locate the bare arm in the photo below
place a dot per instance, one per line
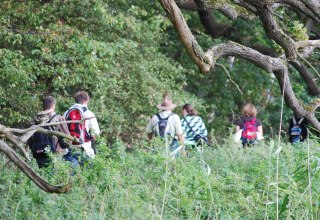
(181, 139)
(260, 130)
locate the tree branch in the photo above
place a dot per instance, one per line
(307, 77)
(301, 6)
(273, 31)
(206, 61)
(28, 171)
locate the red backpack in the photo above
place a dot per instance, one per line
(249, 132)
(77, 129)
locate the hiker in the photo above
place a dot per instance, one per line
(87, 131)
(298, 129)
(41, 144)
(194, 129)
(166, 124)
(248, 126)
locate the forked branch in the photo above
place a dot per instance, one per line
(206, 60)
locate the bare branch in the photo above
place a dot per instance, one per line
(307, 77)
(28, 132)
(193, 48)
(206, 61)
(228, 10)
(17, 142)
(307, 43)
(227, 73)
(28, 171)
(274, 32)
(301, 6)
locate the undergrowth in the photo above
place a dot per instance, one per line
(233, 183)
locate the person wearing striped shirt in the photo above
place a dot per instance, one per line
(192, 125)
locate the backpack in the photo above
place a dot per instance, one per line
(249, 132)
(40, 144)
(78, 130)
(162, 124)
(295, 131)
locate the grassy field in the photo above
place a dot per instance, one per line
(144, 183)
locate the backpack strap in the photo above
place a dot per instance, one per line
(53, 117)
(50, 120)
(295, 121)
(159, 117)
(189, 125)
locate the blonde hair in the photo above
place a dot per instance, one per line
(249, 110)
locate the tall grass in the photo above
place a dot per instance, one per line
(131, 185)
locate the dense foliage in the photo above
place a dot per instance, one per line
(108, 50)
(125, 53)
(139, 185)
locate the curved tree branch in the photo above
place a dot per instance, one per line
(302, 7)
(313, 88)
(274, 32)
(28, 171)
(225, 8)
(206, 60)
(19, 141)
(215, 29)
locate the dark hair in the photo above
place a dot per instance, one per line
(190, 110)
(81, 97)
(48, 102)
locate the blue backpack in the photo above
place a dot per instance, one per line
(295, 131)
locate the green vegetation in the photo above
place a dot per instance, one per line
(125, 53)
(138, 185)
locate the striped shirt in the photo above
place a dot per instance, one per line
(196, 126)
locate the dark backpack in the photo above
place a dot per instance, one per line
(249, 132)
(162, 124)
(295, 131)
(78, 130)
(40, 144)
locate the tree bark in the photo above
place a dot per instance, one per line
(28, 171)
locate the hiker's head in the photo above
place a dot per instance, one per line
(49, 103)
(166, 105)
(188, 109)
(249, 110)
(81, 97)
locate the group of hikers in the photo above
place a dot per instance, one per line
(182, 136)
(83, 125)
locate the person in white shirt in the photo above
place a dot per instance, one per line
(166, 124)
(91, 124)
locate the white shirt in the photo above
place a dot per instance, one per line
(92, 127)
(173, 125)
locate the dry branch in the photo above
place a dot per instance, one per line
(28, 171)
(19, 141)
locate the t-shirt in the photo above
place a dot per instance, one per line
(196, 126)
(173, 126)
(240, 122)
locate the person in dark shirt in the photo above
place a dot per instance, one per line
(249, 113)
